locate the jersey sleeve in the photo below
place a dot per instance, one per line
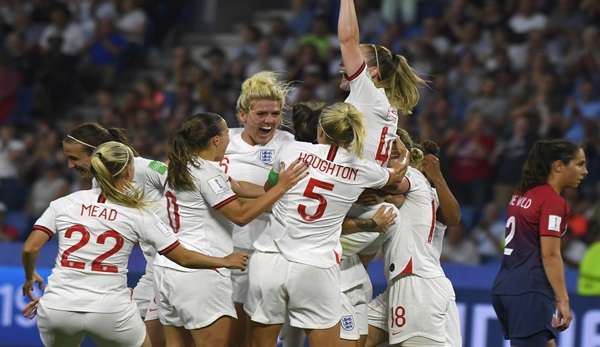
(362, 89)
(553, 217)
(156, 233)
(216, 190)
(374, 175)
(156, 176)
(47, 221)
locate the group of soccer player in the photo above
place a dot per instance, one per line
(252, 234)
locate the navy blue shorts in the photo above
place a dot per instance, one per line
(525, 315)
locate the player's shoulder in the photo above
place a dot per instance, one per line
(149, 166)
(545, 193)
(80, 196)
(205, 169)
(417, 179)
(282, 136)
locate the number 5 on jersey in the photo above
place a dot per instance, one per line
(309, 192)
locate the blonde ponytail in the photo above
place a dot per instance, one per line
(397, 77)
(109, 164)
(343, 125)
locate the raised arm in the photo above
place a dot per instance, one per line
(449, 208)
(349, 37)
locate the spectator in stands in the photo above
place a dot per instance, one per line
(10, 81)
(132, 22)
(489, 234)
(50, 186)
(265, 60)
(71, 34)
(459, 248)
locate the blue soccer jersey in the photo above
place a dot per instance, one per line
(540, 212)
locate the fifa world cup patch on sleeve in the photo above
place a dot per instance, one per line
(554, 222)
(158, 166)
(217, 184)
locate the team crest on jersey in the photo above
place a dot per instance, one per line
(347, 323)
(266, 155)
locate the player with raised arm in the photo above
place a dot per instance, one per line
(201, 208)
(418, 307)
(87, 292)
(529, 294)
(249, 157)
(301, 240)
(382, 86)
(149, 177)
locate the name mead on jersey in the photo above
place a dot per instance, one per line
(98, 212)
(329, 168)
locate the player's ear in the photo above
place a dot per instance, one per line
(557, 166)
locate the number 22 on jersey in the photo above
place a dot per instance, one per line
(97, 264)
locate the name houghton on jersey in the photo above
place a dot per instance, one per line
(328, 167)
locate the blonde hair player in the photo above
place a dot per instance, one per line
(201, 208)
(249, 157)
(301, 240)
(149, 177)
(418, 308)
(87, 292)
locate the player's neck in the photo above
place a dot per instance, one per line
(208, 154)
(555, 183)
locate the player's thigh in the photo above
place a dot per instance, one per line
(324, 337)
(239, 327)
(176, 336)
(263, 335)
(123, 328)
(419, 307)
(267, 300)
(59, 328)
(526, 315)
(314, 296)
(375, 337)
(214, 335)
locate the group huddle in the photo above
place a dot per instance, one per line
(256, 233)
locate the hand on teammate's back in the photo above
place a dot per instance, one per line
(370, 197)
(562, 318)
(288, 177)
(384, 217)
(236, 260)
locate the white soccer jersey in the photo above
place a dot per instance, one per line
(95, 238)
(244, 162)
(414, 245)
(380, 117)
(306, 222)
(193, 214)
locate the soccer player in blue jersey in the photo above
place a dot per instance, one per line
(529, 294)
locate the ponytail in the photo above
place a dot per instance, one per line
(193, 135)
(109, 163)
(539, 162)
(397, 77)
(343, 125)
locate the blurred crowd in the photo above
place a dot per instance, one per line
(501, 74)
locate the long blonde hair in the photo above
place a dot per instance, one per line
(264, 85)
(110, 161)
(343, 125)
(400, 81)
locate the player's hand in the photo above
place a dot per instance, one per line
(400, 164)
(236, 260)
(30, 310)
(29, 284)
(384, 217)
(288, 177)
(369, 197)
(562, 318)
(431, 167)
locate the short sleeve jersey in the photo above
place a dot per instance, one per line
(244, 162)
(194, 217)
(540, 212)
(95, 238)
(415, 245)
(379, 115)
(305, 224)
